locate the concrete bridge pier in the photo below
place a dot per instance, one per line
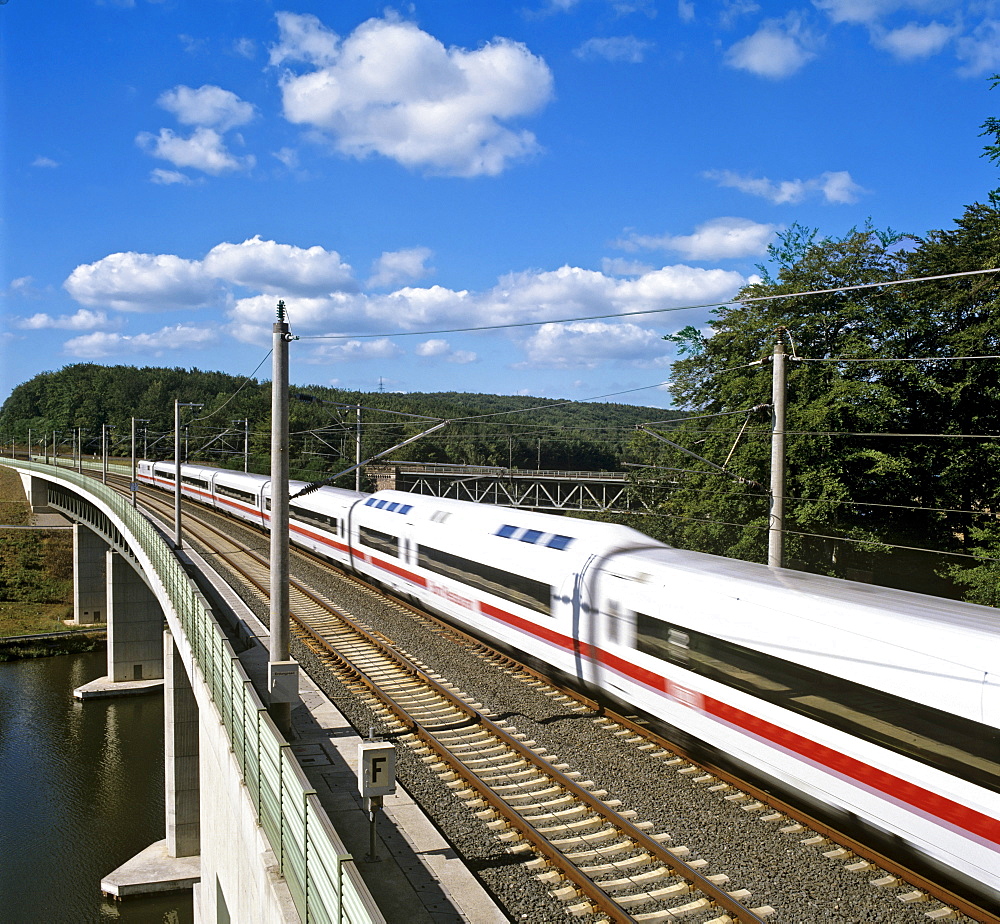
(90, 591)
(135, 624)
(181, 745)
(135, 633)
(36, 490)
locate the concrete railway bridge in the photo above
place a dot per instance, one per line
(261, 828)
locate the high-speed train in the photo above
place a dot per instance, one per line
(876, 706)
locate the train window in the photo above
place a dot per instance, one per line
(323, 520)
(190, 479)
(513, 587)
(406, 508)
(506, 532)
(370, 502)
(393, 506)
(530, 535)
(964, 748)
(383, 542)
(237, 493)
(164, 473)
(559, 542)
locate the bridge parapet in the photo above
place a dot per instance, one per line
(321, 876)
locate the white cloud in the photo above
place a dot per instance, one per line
(980, 50)
(399, 266)
(245, 47)
(391, 89)
(914, 41)
(22, 287)
(100, 345)
(47, 162)
(685, 10)
(835, 186)
(304, 38)
(777, 49)
(280, 268)
(733, 10)
(141, 282)
(517, 298)
(204, 150)
(590, 344)
(169, 177)
(354, 350)
(618, 266)
(82, 320)
(208, 106)
(288, 156)
(251, 318)
(718, 239)
(154, 282)
(862, 11)
(441, 349)
(625, 48)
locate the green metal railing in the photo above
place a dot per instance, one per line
(321, 876)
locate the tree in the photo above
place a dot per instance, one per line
(960, 397)
(831, 475)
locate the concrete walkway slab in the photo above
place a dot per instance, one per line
(152, 870)
(105, 687)
(418, 877)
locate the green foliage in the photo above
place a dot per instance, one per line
(519, 432)
(35, 567)
(849, 493)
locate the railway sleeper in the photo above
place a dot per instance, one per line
(673, 914)
(510, 770)
(675, 890)
(603, 852)
(617, 866)
(549, 805)
(515, 792)
(591, 840)
(571, 827)
(638, 881)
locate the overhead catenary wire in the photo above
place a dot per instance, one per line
(645, 311)
(872, 541)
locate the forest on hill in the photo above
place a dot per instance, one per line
(893, 413)
(511, 431)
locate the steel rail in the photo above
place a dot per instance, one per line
(588, 888)
(859, 848)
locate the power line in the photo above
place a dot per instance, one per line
(889, 359)
(891, 545)
(645, 311)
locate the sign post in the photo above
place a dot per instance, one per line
(376, 779)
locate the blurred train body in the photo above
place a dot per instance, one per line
(876, 706)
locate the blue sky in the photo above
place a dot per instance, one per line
(171, 169)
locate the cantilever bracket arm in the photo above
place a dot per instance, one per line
(309, 488)
(695, 455)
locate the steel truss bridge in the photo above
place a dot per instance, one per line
(606, 492)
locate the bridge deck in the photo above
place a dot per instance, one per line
(418, 878)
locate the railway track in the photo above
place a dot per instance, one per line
(599, 858)
(596, 856)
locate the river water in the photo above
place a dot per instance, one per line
(81, 792)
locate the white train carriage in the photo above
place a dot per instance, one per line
(869, 702)
(506, 574)
(319, 521)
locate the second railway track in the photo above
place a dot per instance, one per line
(596, 853)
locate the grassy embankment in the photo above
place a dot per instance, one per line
(36, 578)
